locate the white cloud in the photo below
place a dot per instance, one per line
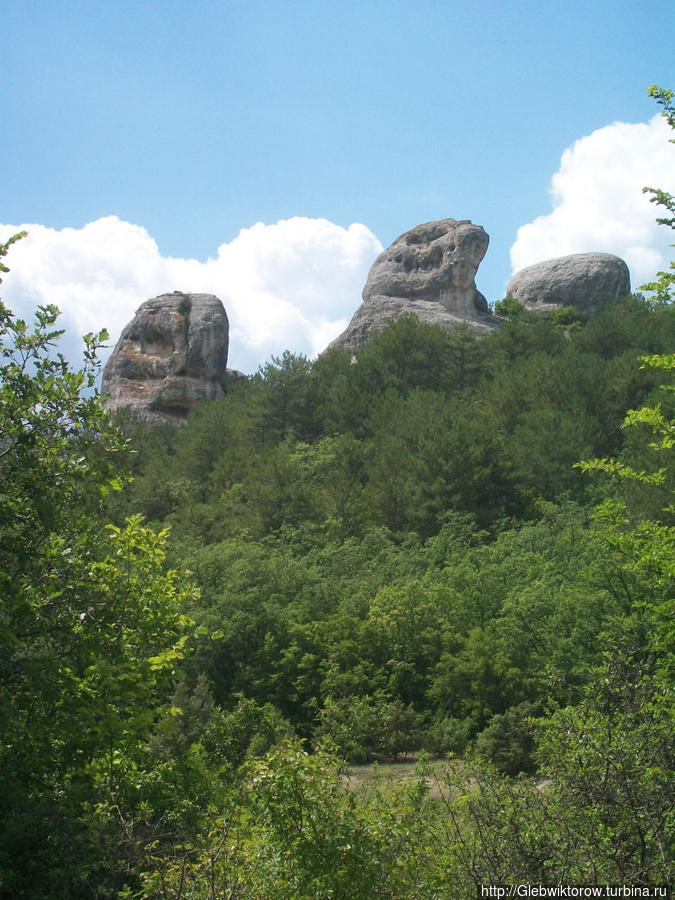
(293, 285)
(598, 202)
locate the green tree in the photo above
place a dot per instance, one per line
(663, 287)
(91, 624)
(607, 814)
(285, 402)
(654, 420)
(510, 308)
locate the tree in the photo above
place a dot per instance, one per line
(509, 308)
(607, 814)
(662, 426)
(91, 624)
(285, 403)
(663, 286)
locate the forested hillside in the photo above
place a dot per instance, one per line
(406, 539)
(450, 546)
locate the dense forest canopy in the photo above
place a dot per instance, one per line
(451, 547)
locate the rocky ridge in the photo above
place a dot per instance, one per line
(174, 352)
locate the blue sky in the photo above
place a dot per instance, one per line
(204, 125)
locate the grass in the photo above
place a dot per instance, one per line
(397, 773)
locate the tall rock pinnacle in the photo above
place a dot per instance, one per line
(172, 354)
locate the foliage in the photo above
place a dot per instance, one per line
(509, 308)
(305, 834)
(91, 624)
(4, 248)
(653, 419)
(408, 559)
(663, 286)
(508, 740)
(349, 560)
(370, 727)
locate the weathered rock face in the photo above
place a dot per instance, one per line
(428, 271)
(583, 280)
(172, 354)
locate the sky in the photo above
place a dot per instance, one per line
(267, 150)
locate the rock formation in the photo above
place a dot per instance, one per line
(428, 271)
(172, 354)
(583, 280)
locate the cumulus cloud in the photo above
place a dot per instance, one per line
(293, 285)
(598, 202)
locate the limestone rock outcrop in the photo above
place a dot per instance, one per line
(583, 280)
(430, 272)
(172, 354)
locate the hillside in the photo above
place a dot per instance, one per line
(439, 543)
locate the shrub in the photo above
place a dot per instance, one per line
(447, 736)
(370, 727)
(508, 742)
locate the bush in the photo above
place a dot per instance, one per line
(508, 742)
(447, 736)
(509, 308)
(370, 727)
